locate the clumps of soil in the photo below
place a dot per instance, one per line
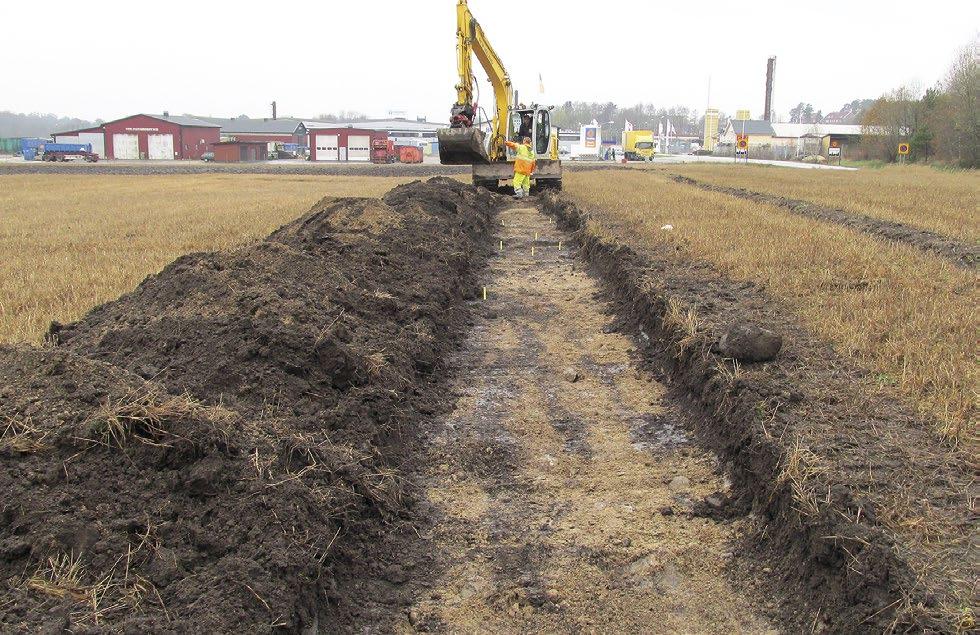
(213, 451)
(958, 252)
(867, 514)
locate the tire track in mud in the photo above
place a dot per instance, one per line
(551, 479)
(957, 252)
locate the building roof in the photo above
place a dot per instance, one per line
(814, 129)
(77, 131)
(180, 120)
(332, 125)
(751, 127)
(185, 120)
(245, 125)
(385, 125)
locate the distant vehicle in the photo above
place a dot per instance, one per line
(638, 145)
(64, 151)
(207, 157)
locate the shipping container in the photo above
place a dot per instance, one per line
(10, 145)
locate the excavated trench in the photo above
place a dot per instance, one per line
(332, 430)
(563, 493)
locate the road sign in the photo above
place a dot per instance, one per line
(834, 151)
(904, 149)
(742, 146)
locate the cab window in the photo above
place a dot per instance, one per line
(542, 132)
(515, 126)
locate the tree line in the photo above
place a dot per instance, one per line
(941, 123)
(35, 124)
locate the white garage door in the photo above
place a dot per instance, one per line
(160, 147)
(326, 147)
(125, 146)
(358, 148)
(97, 139)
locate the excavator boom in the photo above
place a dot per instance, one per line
(464, 143)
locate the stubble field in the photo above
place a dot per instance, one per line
(919, 196)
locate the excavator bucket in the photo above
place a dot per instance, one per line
(462, 146)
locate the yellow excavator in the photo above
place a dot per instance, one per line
(473, 140)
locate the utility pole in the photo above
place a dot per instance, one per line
(273, 111)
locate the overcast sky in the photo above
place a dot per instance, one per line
(107, 59)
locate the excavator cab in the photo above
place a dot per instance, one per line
(541, 131)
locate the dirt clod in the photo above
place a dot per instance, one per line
(750, 343)
(679, 484)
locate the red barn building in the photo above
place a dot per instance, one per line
(331, 143)
(159, 137)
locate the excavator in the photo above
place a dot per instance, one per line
(471, 138)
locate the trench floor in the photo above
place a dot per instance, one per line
(556, 480)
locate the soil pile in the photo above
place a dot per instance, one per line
(210, 451)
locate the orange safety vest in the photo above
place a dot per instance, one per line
(525, 162)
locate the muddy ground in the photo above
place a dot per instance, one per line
(960, 253)
(870, 514)
(211, 452)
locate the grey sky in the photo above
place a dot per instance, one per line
(228, 58)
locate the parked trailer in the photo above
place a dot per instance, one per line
(62, 151)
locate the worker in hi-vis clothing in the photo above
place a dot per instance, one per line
(523, 167)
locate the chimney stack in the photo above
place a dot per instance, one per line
(770, 77)
(273, 111)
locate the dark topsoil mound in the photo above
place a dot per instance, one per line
(870, 515)
(958, 252)
(210, 452)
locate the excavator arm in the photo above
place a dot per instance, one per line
(462, 143)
